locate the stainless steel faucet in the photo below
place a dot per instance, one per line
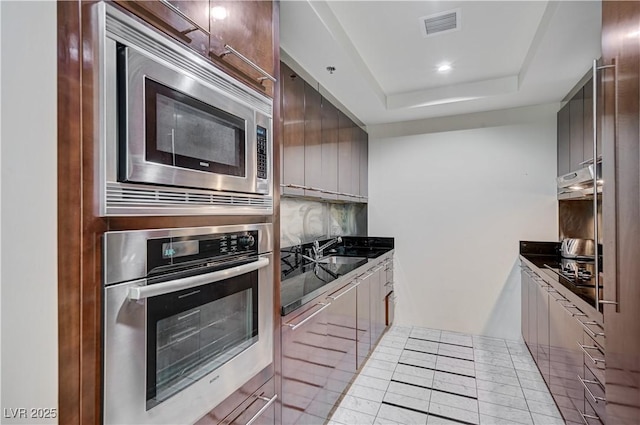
(317, 249)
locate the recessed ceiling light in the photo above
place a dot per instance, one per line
(218, 12)
(445, 67)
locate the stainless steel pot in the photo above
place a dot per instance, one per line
(577, 248)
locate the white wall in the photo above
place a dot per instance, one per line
(458, 193)
(29, 332)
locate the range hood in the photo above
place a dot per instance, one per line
(579, 184)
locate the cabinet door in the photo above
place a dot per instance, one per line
(292, 167)
(329, 158)
(345, 159)
(363, 140)
(306, 364)
(341, 335)
(542, 317)
(621, 209)
(259, 409)
(587, 120)
(565, 359)
(377, 303)
(533, 317)
(576, 107)
(186, 20)
(363, 323)
(248, 28)
(312, 141)
(524, 303)
(355, 161)
(564, 140)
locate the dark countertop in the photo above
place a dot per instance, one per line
(302, 280)
(547, 254)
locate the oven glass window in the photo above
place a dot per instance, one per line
(193, 332)
(184, 132)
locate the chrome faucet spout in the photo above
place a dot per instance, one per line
(319, 249)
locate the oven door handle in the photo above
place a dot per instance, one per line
(142, 292)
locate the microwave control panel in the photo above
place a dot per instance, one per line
(261, 134)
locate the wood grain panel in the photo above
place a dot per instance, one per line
(329, 149)
(576, 109)
(621, 208)
(292, 130)
(69, 217)
(312, 140)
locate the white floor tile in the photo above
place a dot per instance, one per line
(371, 382)
(366, 393)
(377, 373)
(454, 401)
(502, 399)
(454, 413)
(408, 402)
(544, 408)
(434, 420)
(360, 405)
(347, 416)
(413, 379)
(409, 391)
(400, 415)
(496, 387)
(539, 419)
(537, 395)
(507, 413)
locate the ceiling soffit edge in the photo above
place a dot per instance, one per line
(484, 119)
(453, 93)
(543, 26)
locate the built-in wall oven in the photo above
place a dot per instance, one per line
(178, 136)
(188, 319)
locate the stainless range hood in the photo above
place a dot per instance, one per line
(579, 184)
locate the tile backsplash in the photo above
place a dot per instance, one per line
(303, 220)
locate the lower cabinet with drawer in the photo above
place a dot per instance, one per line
(325, 343)
(568, 347)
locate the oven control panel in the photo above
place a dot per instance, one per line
(167, 252)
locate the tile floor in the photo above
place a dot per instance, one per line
(427, 376)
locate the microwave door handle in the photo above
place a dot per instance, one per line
(142, 292)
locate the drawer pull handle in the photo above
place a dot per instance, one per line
(229, 49)
(585, 417)
(344, 293)
(185, 17)
(296, 326)
(589, 331)
(584, 383)
(269, 401)
(591, 347)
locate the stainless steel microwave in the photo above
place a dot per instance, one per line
(179, 135)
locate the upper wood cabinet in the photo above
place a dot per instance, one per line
(187, 21)
(575, 131)
(209, 26)
(247, 27)
(564, 140)
(293, 131)
(324, 153)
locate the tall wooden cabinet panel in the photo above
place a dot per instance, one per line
(355, 161)
(305, 364)
(621, 209)
(312, 140)
(363, 139)
(329, 150)
(174, 19)
(587, 120)
(363, 322)
(576, 108)
(564, 140)
(345, 156)
(292, 167)
(244, 21)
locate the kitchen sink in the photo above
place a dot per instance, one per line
(338, 259)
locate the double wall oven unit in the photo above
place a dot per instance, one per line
(177, 135)
(188, 319)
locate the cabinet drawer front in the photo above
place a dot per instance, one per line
(188, 26)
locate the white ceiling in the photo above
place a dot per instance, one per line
(506, 54)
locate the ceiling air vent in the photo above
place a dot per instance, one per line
(440, 23)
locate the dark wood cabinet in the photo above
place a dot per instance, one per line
(363, 321)
(243, 21)
(576, 112)
(329, 159)
(306, 363)
(621, 209)
(186, 21)
(564, 140)
(542, 327)
(324, 153)
(293, 132)
(587, 120)
(312, 140)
